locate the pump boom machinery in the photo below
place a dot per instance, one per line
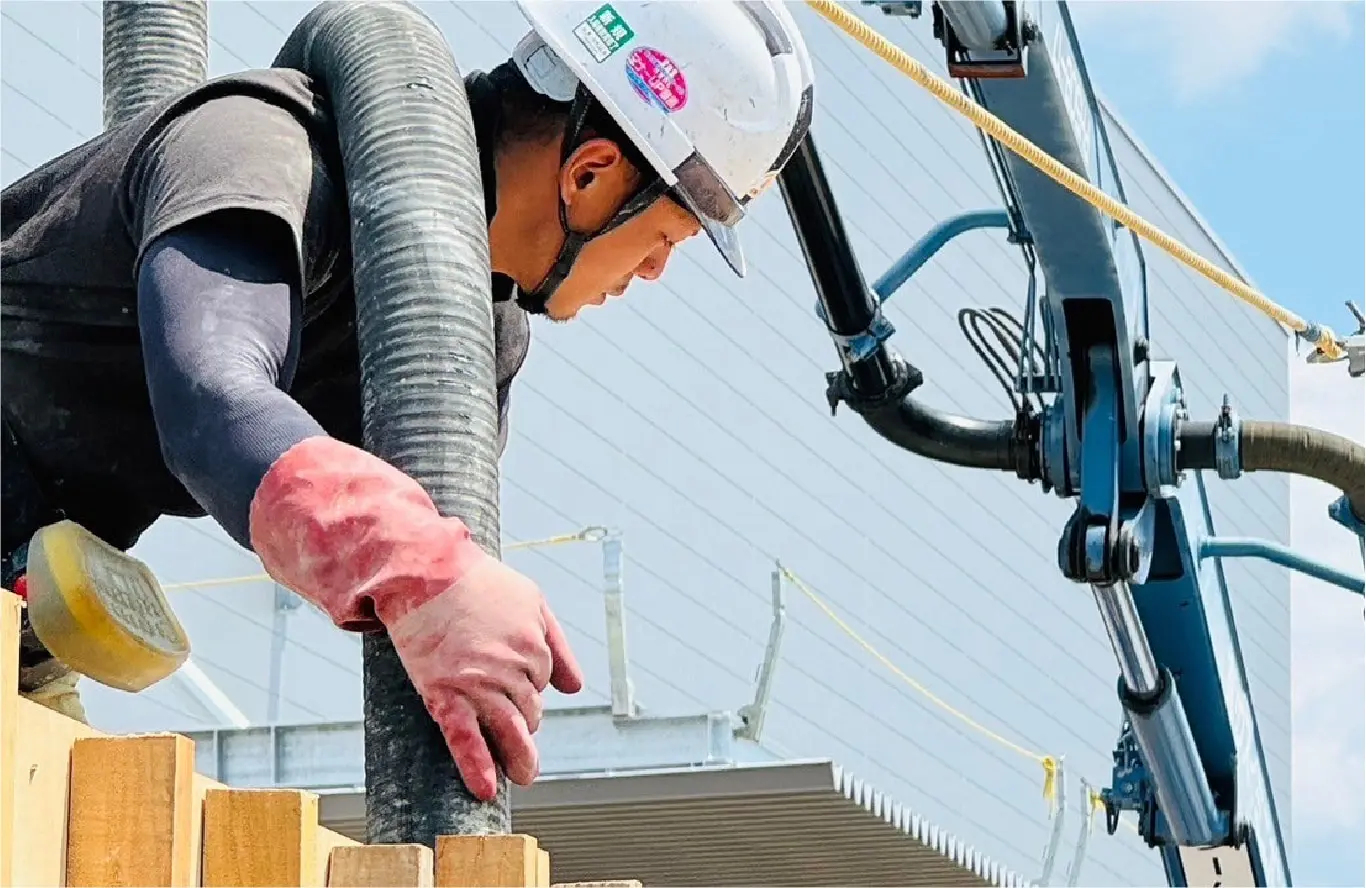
(1099, 421)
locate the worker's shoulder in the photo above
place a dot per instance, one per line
(263, 88)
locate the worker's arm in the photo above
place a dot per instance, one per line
(218, 302)
(228, 205)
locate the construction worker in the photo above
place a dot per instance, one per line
(179, 326)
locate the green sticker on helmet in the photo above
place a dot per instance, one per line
(604, 32)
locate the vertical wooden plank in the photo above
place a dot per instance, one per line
(328, 841)
(9, 699)
(131, 813)
(542, 868)
(42, 792)
(381, 866)
(486, 861)
(260, 838)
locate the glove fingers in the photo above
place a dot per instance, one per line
(529, 702)
(459, 724)
(565, 675)
(508, 730)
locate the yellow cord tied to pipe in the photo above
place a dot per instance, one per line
(1049, 763)
(1050, 777)
(993, 126)
(591, 534)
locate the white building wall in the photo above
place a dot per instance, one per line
(691, 417)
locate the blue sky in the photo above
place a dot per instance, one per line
(1256, 111)
(1263, 130)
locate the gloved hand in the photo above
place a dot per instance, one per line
(364, 542)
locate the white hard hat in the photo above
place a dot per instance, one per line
(715, 95)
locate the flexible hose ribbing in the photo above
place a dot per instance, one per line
(1283, 447)
(151, 50)
(425, 327)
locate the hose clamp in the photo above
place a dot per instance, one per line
(1228, 461)
(858, 346)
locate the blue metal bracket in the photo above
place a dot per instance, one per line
(1237, 547)
(1341, 512)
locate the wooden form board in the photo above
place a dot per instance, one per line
(82, 808)
(9, 699)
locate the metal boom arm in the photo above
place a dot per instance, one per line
(1114, 435)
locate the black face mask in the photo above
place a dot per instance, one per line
(535, 300)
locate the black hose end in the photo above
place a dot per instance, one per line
(1005, 446)
(1024, 447)
(840, 386)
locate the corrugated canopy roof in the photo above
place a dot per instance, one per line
(788, 823)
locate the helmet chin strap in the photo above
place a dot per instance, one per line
(535, 300)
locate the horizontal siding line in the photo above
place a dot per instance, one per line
(995, 752)
(527, 386)
(750, 589)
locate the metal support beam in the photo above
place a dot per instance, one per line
(618, 658)
(752, 715)
(1086, 802)
(590, 740)
(1058, 816)
(285, 603)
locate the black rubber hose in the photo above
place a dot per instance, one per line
(946, 437)
(424, 318)
(152, 50)
(877, 386)
(1283, 447)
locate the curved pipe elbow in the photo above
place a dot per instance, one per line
(949, 438)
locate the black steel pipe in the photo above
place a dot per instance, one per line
(1282, 447)
(878, 386)
(424, 319)
(949, 438)
(850, 306)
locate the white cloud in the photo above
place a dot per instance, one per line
(1328, 635)
(1205, 47)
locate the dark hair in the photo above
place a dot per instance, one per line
(528, 115)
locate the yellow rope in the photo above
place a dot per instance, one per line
(1049, 763)
(587, 535)
(997, 129)
(224, 581)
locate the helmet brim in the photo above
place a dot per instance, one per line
(724, 237)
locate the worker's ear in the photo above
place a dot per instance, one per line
(595, 181)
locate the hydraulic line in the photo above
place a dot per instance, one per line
(424, 320)
(152, 50)
(1282, 447)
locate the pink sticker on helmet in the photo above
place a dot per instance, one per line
(657, 80)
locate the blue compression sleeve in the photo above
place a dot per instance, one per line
(220, 314)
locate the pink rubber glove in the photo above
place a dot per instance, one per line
(364, 542)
